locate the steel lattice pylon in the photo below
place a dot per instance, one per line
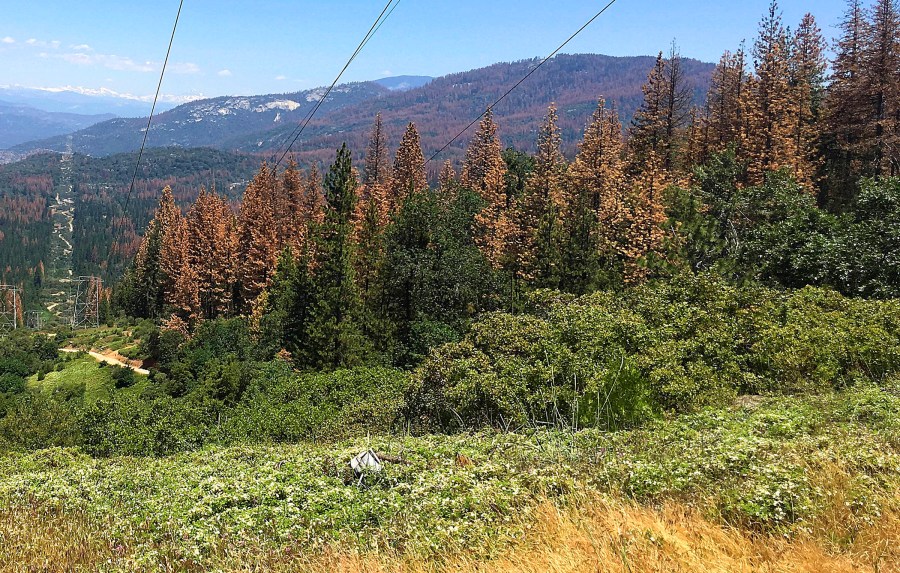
(85, 299)
(10, 308)
(34, 320)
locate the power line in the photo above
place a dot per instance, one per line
(385, 14)
(528, 75)
(162, 74)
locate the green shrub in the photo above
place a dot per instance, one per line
(612, 360)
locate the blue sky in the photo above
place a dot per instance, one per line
(265, 46)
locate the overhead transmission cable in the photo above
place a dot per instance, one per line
(162, 74)
(298, 131)
(517, 84)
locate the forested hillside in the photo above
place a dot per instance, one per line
(212, 122)
(103, 239)
(666, 340)
(442, 106)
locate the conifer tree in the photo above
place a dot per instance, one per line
(770, 145)
(881, 65)
(334, 338)
(676, 112)
(596, 180)
(448, 185)
(659, 125)
(313, 205)
(213, 239)
(409, 167)
(258, 245)
(288, 305)
(845, 102)
(378, 167)
(807, 73)
(645, 216)
(647, 131)
(539, 225)
(375, 191)
(484, 173)
(447, 176)
(151, 277)
(724, 104)
(182, 293)
(291, 230)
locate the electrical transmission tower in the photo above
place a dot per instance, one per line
(85, 297)
(10, 308)
(34, 320)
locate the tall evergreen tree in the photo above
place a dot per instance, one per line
(334, 337)
(539, 224)
(258, 246)
(409, 167)
(770, 145)
(807, 71)
(149, 281)
(484, 173)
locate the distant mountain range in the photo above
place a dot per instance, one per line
(20, 123)
(80, 101)
(440, 107)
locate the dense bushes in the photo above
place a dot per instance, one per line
(21, 355)
(606, 360)
(610, 360)
(775, 232)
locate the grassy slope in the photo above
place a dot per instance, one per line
(819, 475)
(82, 371)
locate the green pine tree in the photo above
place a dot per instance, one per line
(334, 336)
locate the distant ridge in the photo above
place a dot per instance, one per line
(439, 107)
(20, 123)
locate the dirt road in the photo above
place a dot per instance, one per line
(108, 360)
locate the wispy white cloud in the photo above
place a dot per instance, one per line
(8, 40)
(120, 63)
(224, 73)
(280, 78)
(34, 42)
(110, 61)
(184, 68)
(82, 48)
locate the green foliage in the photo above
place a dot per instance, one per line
(433, 278)
(129, 425)
(333, 333)
(764, 467)
(21, 355)
(283, 406)
(611, 360)
(776, 233)
(123, 377)
(40, 421)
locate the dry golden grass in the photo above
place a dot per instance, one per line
(597, 535)
(42, 540)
